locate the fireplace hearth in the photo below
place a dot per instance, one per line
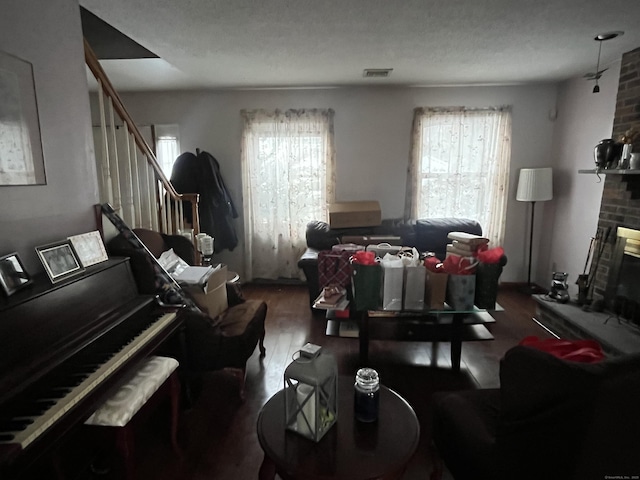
(616, 335)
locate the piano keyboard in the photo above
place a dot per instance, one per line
(29, 428)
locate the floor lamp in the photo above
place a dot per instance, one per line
(534, 185)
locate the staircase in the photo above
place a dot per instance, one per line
(130, 178)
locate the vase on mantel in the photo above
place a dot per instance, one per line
(626, 154)
(607, 153)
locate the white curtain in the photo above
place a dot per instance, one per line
(288, 179)
(459, 166)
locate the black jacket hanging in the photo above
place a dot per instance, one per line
(201, 174)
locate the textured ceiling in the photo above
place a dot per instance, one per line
(327, 43)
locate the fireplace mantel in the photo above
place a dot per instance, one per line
(627, 171)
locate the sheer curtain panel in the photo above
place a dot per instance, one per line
(459, 166)
(288, 179)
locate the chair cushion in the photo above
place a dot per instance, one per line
(130, 397)
(228, 339)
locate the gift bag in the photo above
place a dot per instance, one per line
(414, 286)
(436, 290)
(381, 249)
(347, 247)
(334, 268)
(415, 275)
(487, 276)
(392, 282)
(365, 283)
(461, 291)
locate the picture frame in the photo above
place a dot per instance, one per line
(60, 260)
(89, 248)
(21, 157)
(13, 275)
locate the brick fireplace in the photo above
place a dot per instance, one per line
(620, 206)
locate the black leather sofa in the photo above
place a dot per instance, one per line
(427, 235)
(551, 418)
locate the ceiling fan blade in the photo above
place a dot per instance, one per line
(595, 75)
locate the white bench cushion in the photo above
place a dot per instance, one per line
(125, 403)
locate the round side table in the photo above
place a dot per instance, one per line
(351, 450)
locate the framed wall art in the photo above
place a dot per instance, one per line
(21, 159)
(13, 275)
(59, 260)
(89, 247)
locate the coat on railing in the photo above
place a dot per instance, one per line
(201, 174)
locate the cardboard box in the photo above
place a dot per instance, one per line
(212, 298)
(354, 214)
(217, 278)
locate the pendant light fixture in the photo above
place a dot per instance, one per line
(602, 37)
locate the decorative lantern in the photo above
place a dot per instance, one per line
(311, 393)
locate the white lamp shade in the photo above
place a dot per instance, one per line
(535, 185)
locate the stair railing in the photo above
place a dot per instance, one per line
(131, 179)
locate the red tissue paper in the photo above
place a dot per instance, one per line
(364, 258)
(493, 255)
(457, 265)
(585, 351)
(434, 265)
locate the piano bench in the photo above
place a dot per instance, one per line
(154, 380)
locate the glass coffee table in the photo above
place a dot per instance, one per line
(435, 326)
(350, 450)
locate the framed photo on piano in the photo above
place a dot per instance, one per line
(13, 275)
(60, 260)
(89, 248)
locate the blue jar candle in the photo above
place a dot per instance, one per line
(366, 397)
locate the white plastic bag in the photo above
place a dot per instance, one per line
(172, 263)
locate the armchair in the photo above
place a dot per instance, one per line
(550, 418)
(225, 341)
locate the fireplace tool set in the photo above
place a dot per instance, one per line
(586, 281)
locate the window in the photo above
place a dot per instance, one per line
(288, 179)
(459, 166)
(167, 147)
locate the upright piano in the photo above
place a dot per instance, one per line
(64, 348)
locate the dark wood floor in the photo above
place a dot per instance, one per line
(218, 434)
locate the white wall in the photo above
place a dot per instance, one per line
(584, 118)
(372, 129)
(49, 35)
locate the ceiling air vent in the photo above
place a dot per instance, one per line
(377, 72)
